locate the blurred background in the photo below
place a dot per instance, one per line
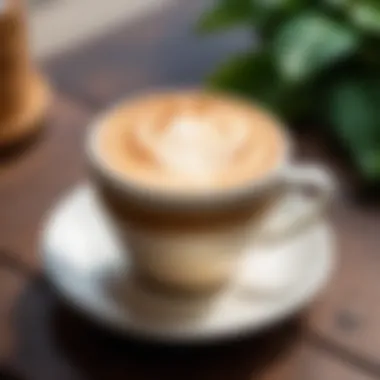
(56, 25)
(313, 63)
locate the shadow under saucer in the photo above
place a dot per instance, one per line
(55, 341)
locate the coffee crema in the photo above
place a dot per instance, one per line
(190, 141)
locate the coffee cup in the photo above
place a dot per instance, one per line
(187, 178)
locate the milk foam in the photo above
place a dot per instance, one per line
(191, 147)
(197, 148)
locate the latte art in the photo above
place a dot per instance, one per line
(193, 147)
(190, 141)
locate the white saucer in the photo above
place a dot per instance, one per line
(84, 262)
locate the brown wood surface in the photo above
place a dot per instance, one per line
(40, 338)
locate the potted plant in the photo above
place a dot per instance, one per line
(315, 59)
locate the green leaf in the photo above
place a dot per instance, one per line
(253, 75)
(226, 14)
(340, 4)
(354, 112)
(309, 43)
(268, 14)
(369, 162)
(248, 74)
(230, 13)
(366, 15)
(278, 4)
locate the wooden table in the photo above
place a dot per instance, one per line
(337, 338)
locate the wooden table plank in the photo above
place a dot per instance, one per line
(319, 365)
(11, 286)
(348, 313)
(44, 339)
(61, 345)
(31, 183)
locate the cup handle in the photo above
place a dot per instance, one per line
(304, 178)
(297, 178)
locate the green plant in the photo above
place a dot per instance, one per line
(316, 59)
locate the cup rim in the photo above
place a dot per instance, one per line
(172, 199)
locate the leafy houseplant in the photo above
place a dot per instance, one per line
(317, 59)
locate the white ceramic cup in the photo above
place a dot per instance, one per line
(193, 243)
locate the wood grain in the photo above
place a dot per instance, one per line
(62, 344)
(11, 286)
(348, 313)
(45, 339)
(31, 182)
